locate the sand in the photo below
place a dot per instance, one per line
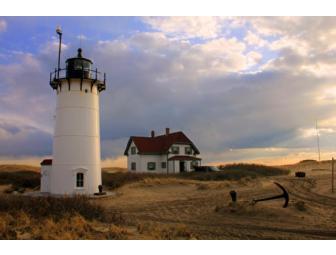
(203, 210)
(170, 208)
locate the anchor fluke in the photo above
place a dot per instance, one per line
(283, 195)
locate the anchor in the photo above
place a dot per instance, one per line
(284, 195)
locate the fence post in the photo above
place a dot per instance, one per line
(332, 175)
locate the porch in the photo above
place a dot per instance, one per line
(180, 164)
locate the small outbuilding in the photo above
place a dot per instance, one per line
(46, 166)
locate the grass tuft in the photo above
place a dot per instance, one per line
(57, 218)
(56, 208)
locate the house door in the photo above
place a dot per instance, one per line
(182, 166)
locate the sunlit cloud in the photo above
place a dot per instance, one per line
(187, 27)
(243, 89)
(254, 39)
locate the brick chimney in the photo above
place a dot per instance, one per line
(152, 133)
(167, 131)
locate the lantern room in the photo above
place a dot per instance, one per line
(78, 67)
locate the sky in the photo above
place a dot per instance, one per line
(243, 89)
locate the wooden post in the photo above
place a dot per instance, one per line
(332, 175)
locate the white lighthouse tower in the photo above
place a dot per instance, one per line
(76, 165)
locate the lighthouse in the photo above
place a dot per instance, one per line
(75, 167)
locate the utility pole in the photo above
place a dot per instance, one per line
(332, 175)
(318, 142)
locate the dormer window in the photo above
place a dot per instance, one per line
(175, 150)
(187, 150)
(133, 150)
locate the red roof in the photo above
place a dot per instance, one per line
(184, 158)
(45, 162)
(159, 144)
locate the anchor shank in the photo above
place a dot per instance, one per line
(269, 198)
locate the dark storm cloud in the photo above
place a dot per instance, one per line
(23, 140)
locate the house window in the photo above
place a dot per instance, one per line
(151, 166)
(175, 149)
(163, 164)
(133, 166)
(187, 150)
(79, 180)
(133, 150)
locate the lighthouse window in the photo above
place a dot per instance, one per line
(80, 180)
(86, 66)
(79, 65)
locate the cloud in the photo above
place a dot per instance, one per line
(207, 27)
(240, 88)
(272, 156)
(3, 25)
(120, 161)
(217, 56)
(174, 84)
(23, 160)
(313, 34)
(254, 39)
(23, 139)
(193, 27)
(24, 90)
(253, 58)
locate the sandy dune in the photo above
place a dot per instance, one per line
(202, 209)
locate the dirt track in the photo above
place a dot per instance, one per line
(202, 209)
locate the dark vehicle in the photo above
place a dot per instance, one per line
(206, 169)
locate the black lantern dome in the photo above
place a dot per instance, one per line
(78, 67)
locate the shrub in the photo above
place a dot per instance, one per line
(116, 180)
(20, 179)
(229, 172)
(236, 172)
(308, 161)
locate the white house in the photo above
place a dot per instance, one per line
(168, 153)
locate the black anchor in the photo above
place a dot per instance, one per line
(284, 195)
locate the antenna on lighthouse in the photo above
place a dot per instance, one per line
(59, 32)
